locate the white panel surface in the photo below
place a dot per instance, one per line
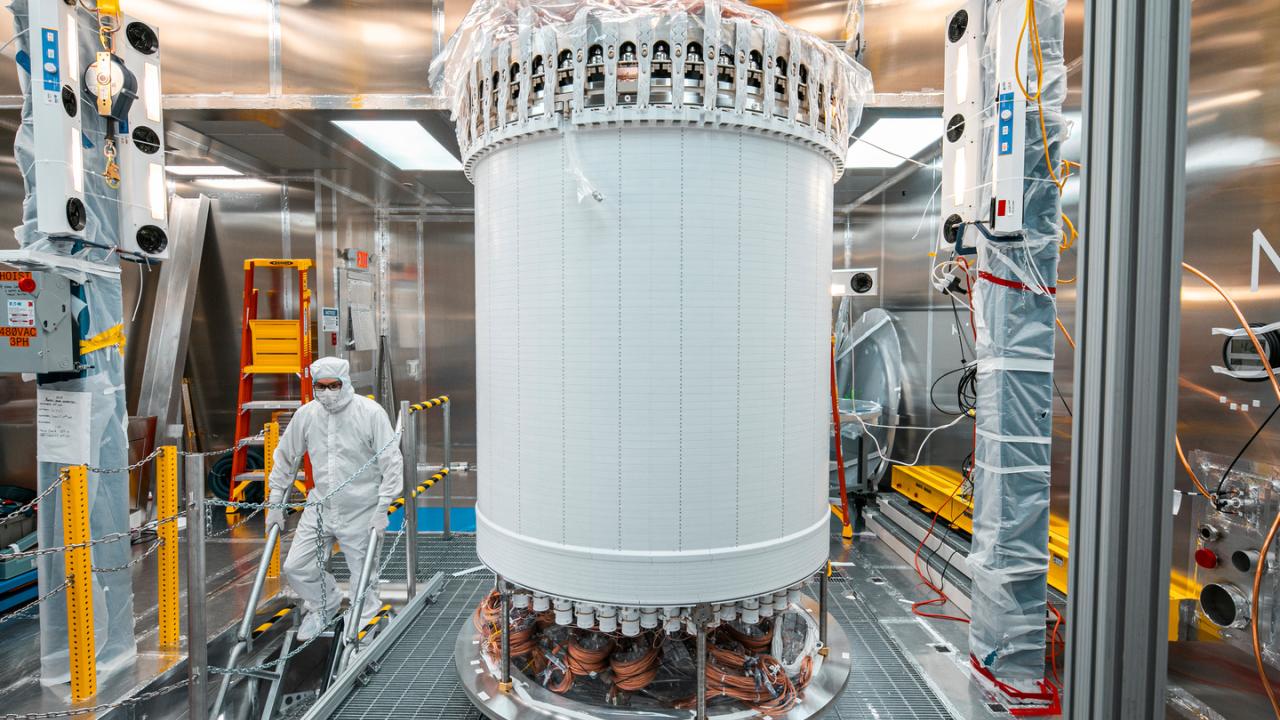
(653, 410)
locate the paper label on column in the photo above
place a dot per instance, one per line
(62, 427)
(22, 313)
(329, 319)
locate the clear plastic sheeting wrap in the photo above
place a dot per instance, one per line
(516, 67)
(1015, 323)
(97, 307)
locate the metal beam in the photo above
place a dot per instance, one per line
(1134, 200)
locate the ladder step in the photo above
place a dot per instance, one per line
(258, 476)
(283, 369)
(272, 405)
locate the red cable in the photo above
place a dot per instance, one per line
(835, 416)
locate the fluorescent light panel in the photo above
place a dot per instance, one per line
(901, 137)
(202, 171)
(405, 143)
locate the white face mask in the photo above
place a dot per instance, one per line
(329, 398)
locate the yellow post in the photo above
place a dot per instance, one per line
(167, 530)
(270, 438)
(79, 568)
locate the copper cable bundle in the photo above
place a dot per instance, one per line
(589, 653)
(635, 673)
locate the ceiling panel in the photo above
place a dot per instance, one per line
(211, 47)
(345, 47)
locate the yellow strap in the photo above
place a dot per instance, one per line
(104, 339)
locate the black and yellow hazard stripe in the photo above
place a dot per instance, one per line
(426, 485)
(271, 621)
(432, 403)
(384, 613)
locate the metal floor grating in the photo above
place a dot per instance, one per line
(435, 554)
(417, 678)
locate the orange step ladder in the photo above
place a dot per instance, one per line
(269, 346)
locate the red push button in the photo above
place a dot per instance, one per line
(27, 285)
(1206, 558)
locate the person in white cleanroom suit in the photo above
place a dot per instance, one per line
(341, 431)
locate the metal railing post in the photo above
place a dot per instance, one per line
(197, 629)
(409, 457)
(361, 589)
(167, 531)
(244, 634)
(448, 478)
(79, 570)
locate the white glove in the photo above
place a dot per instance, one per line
(378, 521)
(275, 515)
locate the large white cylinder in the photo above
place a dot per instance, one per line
(652, 366)
(653, 304)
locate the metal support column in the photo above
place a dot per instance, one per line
(701, 710)
(197, 628)
(1133, 204)
(504, 624)
(448, 478)
(823, 576)
(409, 458)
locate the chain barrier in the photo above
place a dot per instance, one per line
(108, 538)
(128, 468)
(25, 612)
(146, 554)
(62, 477)
(210, 533)
(309, 502)
(75, 712)
(215, 453)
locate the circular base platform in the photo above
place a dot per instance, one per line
(527, 700)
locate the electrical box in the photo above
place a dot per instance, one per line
(356, 301)
(37, 333)
(1008, 154)
(1226, 548)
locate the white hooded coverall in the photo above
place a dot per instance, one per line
(340, 440)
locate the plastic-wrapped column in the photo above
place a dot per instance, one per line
(1016, 335)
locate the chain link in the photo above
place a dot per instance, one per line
(108, 538)
(128, 468)
(215, 453)
(210, 533)
(62, 477)
(75, 712)
(146, 554)
(309, 502)
(26, 611)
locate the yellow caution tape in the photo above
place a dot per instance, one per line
(105, 339)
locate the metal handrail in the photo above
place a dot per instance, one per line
(357, 601)
(244, 634)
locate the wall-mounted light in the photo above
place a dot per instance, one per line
(157, 195)
(77, 160)
(151, 91)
